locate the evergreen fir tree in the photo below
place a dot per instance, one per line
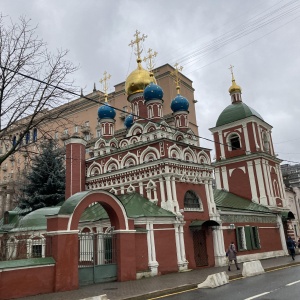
(46, 179)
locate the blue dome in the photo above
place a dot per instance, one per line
(179, 103)
(128, 121)
(106, 112)
(153, 92)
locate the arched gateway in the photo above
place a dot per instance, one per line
(63, 231)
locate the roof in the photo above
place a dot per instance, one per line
(137, 206)
(236, 111)
(228, 201)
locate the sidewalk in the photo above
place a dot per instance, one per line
(157, 286)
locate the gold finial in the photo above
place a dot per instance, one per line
(176, 76)
(137, 42)
(234, 87)
(150, 64)
(104, 83)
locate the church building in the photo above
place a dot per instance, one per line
(144, 204)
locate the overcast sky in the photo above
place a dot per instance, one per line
(260, 38)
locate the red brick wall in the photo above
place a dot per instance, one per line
(26, 282)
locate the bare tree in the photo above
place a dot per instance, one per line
(33, 81)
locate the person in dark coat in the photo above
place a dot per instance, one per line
(231, 254)
(291, 246)
(299, 243)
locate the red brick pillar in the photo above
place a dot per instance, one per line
(126, 258)
(75, 166)
(65, 252)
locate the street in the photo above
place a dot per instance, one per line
(274, 285)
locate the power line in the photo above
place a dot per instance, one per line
(101, 102)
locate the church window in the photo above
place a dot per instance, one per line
(98, 133)
(192, 201)
(36, 251)
(266, 143)
(234, 141)
(247, 238)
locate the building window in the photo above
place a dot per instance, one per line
(98, 133)
(87, 137)
(14, 141)
(234, 141)
(247, 238)
(27, 138)
(76, 129)
(34, 135)
(36, 251)
(192, 201)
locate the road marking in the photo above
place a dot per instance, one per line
(164, 296)
(292, 283)
(256, 296)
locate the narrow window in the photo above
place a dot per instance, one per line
(34, 134)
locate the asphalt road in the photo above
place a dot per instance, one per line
(275, 285)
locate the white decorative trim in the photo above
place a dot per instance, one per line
(61, 232)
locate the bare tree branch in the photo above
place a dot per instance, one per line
(25, 103)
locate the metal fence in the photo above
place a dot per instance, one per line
(24, 246)
(96, 249)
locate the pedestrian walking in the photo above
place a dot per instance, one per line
(231, 254)
(291, 246)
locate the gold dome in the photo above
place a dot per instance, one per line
(234, 87)
(138, 80)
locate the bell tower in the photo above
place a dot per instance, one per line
(246, 164)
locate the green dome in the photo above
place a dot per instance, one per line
(236, 111)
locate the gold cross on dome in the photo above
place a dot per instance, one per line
(137, 42)
(150, 64)
(231, 70)
(104, 82)
(175, 74)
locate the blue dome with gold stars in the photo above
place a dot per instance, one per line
(180, 103)
(128, 121)
(106, 112)
(153, 92)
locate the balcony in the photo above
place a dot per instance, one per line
(123, 114)
(64, 136)
(85, 129)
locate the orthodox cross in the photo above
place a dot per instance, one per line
(149, 58)
(104, 83)
(231, 70)
(137, 42)
(176, 76)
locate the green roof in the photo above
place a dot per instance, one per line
(236, 111)
(137, 206)
(228, 201)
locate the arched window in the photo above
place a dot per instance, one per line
(192, 201)
(234, 141)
